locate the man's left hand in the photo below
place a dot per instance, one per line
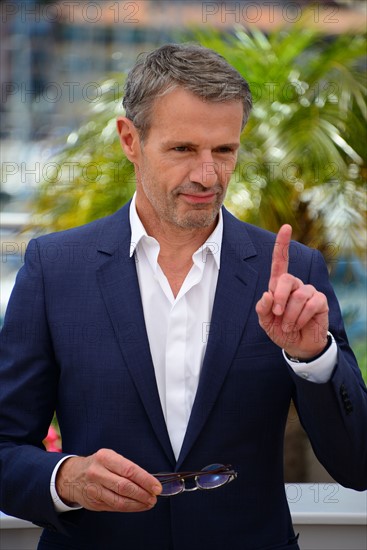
(293, 315)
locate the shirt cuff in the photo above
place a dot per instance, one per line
(59, 505)
(320, 370)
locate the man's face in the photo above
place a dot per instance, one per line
(185, 163)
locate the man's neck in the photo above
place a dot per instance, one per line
(176, 243)
(177, 246)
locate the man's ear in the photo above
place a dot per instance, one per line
(129, 138)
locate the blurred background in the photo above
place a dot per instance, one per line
(303, 154)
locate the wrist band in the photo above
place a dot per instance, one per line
(310, 359)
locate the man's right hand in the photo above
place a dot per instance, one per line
(106, 481)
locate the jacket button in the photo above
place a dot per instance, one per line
(343, 392)
(348, 407)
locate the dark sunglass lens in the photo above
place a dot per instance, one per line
(212, 481)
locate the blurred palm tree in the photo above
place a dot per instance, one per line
(302, 158)
(303, 155)
(89, 177)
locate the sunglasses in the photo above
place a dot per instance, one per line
(210, 477)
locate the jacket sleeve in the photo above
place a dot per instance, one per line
(28, 389)
(334, 414)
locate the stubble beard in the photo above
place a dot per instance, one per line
(196, 217)
(167, 206)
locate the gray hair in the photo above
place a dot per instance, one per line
(199, 70)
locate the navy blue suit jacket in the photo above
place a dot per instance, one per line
(74, 340)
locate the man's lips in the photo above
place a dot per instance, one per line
(199, 197)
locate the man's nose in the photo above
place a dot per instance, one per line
(204, 170)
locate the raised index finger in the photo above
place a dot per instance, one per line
(280, 258)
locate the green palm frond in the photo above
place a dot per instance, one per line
(92, 177)
(306, 135)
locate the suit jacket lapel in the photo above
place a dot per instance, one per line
(119, 286)
(233, 301)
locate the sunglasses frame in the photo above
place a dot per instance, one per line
(166, 478)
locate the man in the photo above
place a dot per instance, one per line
(168, 338)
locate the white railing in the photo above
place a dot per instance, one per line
(326, 515)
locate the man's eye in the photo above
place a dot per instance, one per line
(181, 148)
(224, 150)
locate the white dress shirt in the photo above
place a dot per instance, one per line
(175, 326)
(176, 329)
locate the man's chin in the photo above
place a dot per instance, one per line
(197, 218)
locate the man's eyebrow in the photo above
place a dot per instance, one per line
(177, 142)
